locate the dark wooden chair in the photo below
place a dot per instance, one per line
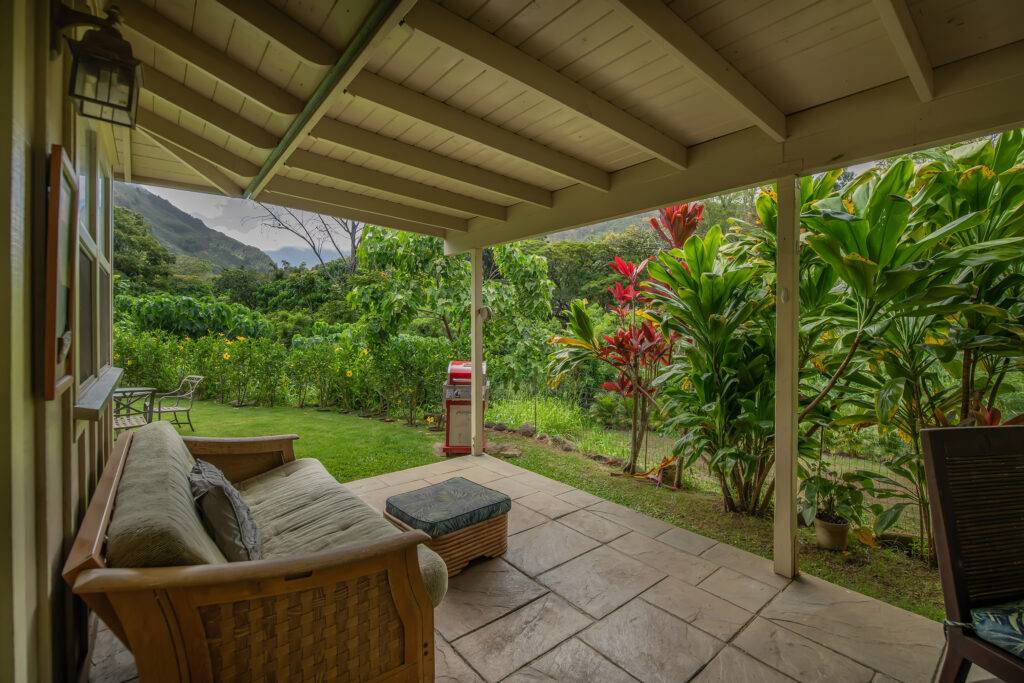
(976, 494)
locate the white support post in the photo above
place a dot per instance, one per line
(477, 353)
(787, 314)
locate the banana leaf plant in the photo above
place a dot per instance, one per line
(717, 390)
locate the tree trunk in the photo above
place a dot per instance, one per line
(835, 377)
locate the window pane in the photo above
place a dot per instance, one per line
(104, 318)
(86, 317)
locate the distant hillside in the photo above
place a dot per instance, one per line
(187, 235)
(295, 256)
(586, 233)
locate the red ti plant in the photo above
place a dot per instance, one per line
(676, 224)
(636, 351)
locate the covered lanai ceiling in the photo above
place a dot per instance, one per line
(483, 121)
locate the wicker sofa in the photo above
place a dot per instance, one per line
(340, 593)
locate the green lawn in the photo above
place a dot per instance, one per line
(353, 447)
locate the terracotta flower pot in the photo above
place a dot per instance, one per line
(831, 536)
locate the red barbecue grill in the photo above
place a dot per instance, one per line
(458, 409)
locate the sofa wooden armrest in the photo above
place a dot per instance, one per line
(356, 612)
(241, 458)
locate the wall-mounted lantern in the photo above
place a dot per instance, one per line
(105, 77)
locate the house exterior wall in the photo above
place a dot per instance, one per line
(49, 461)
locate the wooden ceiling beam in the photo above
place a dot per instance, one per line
(381, 91)
(383, 147)
(183, 97)
(385, 182)
(672, 34)
(201, 166)
(907, 41)
(362, 202)
(197, 144)
(368, 217)
(154, 27)
(282, 29)
(178, 185)
(450, 29)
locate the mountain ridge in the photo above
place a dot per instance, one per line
(186, 235)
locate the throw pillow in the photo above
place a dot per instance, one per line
(225, 515)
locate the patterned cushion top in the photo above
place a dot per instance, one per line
(449, 506)
(1001, 625)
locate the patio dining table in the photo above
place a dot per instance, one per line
(128, 413)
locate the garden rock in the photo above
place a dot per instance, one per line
(500, 427)
(527, 430)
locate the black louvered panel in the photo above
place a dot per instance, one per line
(987, 495)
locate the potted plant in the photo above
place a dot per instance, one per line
(832, 502)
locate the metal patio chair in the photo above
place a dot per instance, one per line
(179, 402)
(976, 494)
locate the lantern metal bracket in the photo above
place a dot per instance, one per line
(63, 17)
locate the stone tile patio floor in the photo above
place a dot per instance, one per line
(592, 591)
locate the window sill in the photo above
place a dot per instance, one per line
(93, 400)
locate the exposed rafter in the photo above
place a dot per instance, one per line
(362, 202)
(126, 152)
(905, 38)
(214, 175)
(472, 41)
(978, 95)
(168, 130)
(316, 206)
(152, 26)
(180, 95)
(282, 29)
(382, 147)
(385, 182)
(675, 36)
(382, 19)
(160, 182)
(381, 91)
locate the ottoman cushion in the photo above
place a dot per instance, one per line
(448, 507)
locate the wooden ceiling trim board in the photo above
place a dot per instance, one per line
(381, 91)
(176, 184)
(126, 153)
(384, 147)
(180, 95)
(362, 202)
(977, 96)
(676, 37)
(907, 42)
(284, 30)
(385, 182)
(210, 171)
(157, 125)
(473, 42)
(384, 17)
(370, 218)
(151, 25)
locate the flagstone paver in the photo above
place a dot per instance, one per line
(669, 603)
(482, 593)
(501, 647)
(544, 547)
(598, 528)
(797, 656)
(739, 589)
(651, 644)
(685, 566)
(547, 505)
(702, 609)
(601, 580)
(571, 662)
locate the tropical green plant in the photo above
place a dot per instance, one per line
(718, 391)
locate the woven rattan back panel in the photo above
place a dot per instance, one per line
(980, 472)
(348, 633)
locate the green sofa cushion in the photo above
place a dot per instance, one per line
(300, 508)
(155, 522)
(1002, 625)
(449, 506)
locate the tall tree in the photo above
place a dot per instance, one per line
(138, 256)
(323, 234)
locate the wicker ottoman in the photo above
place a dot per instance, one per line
(464, 519)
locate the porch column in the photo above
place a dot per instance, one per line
(787, 313)
(477, 353)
